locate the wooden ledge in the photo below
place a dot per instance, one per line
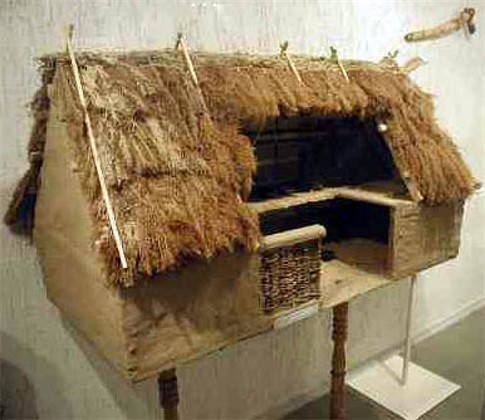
(384, 194)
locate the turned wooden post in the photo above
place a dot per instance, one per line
(339, 336)
(168, 394)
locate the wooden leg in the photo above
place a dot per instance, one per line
(168, 394)
(339, 336)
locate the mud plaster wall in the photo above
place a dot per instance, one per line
(51, 372)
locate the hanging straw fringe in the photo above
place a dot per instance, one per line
(284, 54)
(94, 149)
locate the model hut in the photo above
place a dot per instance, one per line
(237, 200)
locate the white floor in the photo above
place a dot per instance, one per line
(381, 382)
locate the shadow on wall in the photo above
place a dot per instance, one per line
(135, 400)
(18, 394)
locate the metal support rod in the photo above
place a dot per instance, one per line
(409, 324)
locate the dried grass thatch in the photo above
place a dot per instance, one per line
(178, 176)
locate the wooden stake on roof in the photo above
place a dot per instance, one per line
(284, 54)
(335, 58)
(94, 149)
(412, 64)
(180, 44)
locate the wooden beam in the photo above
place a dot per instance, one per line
(381, 194)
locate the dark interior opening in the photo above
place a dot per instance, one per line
(342, 218)
(301, 153)
(357, 232)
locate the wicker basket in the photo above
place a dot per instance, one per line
(290, 268)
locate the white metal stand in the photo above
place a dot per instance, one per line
(399, 385)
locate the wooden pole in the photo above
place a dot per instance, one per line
(180, 44)
(168, 395)
(292, 237)
(343, 71)
(335, 58)
(94, 149)
(284, 54)
(339, 336)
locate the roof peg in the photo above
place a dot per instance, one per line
(284, 54)
(68, 33)
(69, 30)
(335, 58)
(181, 45)
(412, 64)
(389, 60)
(382, 127)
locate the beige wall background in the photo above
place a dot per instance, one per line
(49, 371)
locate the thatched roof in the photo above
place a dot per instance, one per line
(179, 175)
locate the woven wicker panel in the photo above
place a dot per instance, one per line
(290, 276)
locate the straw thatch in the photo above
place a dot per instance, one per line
(178, 173)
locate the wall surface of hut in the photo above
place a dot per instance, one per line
(72, 270)
(424, 236)
(49, 371)
(154, 324)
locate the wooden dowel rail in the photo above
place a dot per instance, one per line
(292, 237)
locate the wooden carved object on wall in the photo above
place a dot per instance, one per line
(339, 336)
(168, 394)
(464, 20)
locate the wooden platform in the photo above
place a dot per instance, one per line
(342, 282)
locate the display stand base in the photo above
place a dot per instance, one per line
(381, 382)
